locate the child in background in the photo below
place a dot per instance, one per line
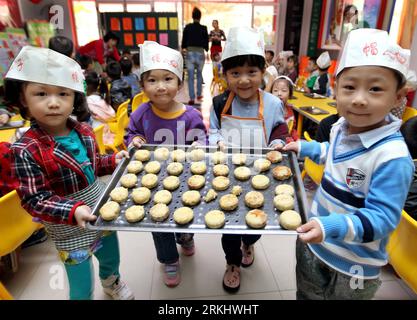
(97, 90)
(120, 91)
(86, 64)
(62, 45)
(161, 117)
(292, 68)
(367, 174)
(127, 75)
(322, 83)
(57, 165)
(136, 65)
(408, 130)
(269, 57)
(314, 73)
(283, 87)
(244, 105)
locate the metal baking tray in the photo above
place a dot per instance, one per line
(314, 95)
(235, 220)
(314, 110)
(13, 125)
(332, 104)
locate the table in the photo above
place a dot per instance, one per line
(7, 135)
(302, 101)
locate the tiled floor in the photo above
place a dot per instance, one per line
(272, 276)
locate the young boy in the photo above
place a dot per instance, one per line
(127, 75)
(366, 179)
(120, 91)
(322, 82)
(314, 73)
(244, 116)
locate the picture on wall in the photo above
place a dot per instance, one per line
(341, 16)
(135, 28)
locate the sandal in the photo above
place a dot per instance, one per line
(231, 279)
(248, 255)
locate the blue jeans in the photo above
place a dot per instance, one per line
(81, 276)
(166, 247)
(195, 60)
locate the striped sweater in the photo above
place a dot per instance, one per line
(360, 198)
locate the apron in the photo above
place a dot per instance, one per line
(243, 132)
(69, 238)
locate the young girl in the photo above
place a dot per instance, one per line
(57, 164)
(292, 68)
(163, 117)
(100, 109)
(282, 87)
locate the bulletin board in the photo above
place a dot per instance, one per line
(11, 42)
(135, 28)
(39, 32)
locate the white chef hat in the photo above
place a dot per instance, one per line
(155, 56)
(46, 66)
(286, 78)
(242, 41)
(372, 47)
(324, 61)
(411, 79)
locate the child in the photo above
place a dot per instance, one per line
(322, 82)
(86, 64)
(408, 130)
(269, 57)
(292, 68)
(366, 178)
(158, 121)
(57, 164)
(120, 91)
(62, 45)
(283, 88)
(136, 64)
(131, 78)
(100, 110)
(314, 73)
(244, 116)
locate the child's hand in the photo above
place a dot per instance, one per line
(82, 215)
(278, 146)
(136, 142)
(221, 145)
(120, 155)
(292, 146)
(311, 232)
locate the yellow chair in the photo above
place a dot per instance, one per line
(4, 294)
(409, 113)
(313, 170)
(140, 98)
(16, 226)
(113, 125)
(218, 83)
(401, 249)
(98, 131)
(122, 122)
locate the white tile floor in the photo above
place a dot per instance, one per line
(272, 276)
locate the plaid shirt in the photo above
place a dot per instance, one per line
(7, 184)
(47, 172)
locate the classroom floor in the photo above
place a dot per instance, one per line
(272, 276)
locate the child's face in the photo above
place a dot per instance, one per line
(49, 105)
(161, 86)
(245, 82)
(311, 66)
(268, 57)
(365, 95)
(290, 64)
(281, 90)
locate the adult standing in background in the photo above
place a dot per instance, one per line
(216, 37)
(101, 49)
(194, 42)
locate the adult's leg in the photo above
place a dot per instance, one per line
(200, 64)
(190, 71)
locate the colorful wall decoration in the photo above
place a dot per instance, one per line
(134, 28)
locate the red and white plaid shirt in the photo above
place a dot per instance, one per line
(47, 172)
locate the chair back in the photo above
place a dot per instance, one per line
(140, 98)
(409, 113)
(122, 122)
(123, 106)
(16, 224)
(98, 131)
(401, 249)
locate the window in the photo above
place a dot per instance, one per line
(110, 7)
(165, 6)
(138, 7)
(86, 23)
